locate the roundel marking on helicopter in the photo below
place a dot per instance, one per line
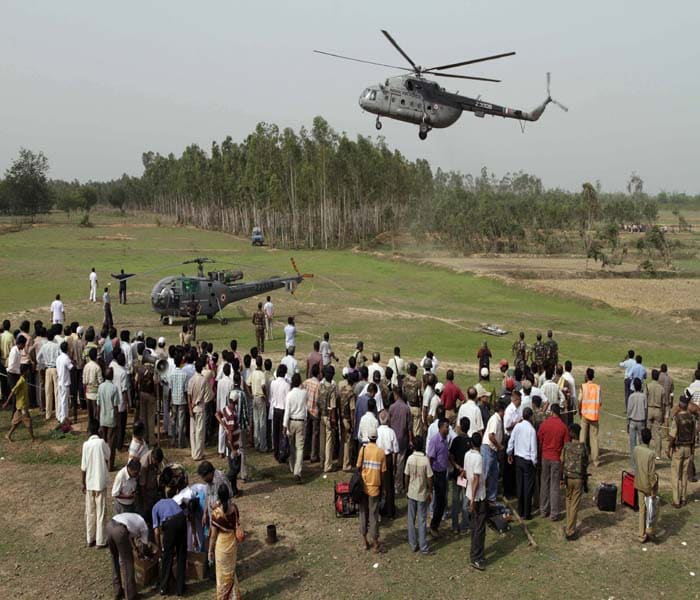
(435, 106)
(223, 297)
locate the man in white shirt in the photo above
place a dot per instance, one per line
(94, 464)
(290, 332)
(491, 446)
(398, 366)
(429, 363)
(63, 369)
(294, 423)
(279, 388)
(326, 351)
(124, 487)
(470, 410)
(124, 532)
(93, 285)
(269, 311)
(551, 394)
(571, 386)
(514, 412)
(291, 363)
(368, 422)
(375, 366)
(387, 441)
(476, 477)
(58, 313)
(522, 449)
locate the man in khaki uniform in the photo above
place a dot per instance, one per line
(646, 482)
(680, 450)
(412, 396)
(348, 400)
(656, 411)
(326, 402)
(259, 324)
(575, 461)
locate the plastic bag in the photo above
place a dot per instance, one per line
(652, 504)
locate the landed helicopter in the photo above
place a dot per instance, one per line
(176, 295)
(415, 99)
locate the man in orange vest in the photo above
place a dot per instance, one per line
(589, 410)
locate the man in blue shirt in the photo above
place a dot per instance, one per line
(170, 528)
(627, 365)
(637, 371)
(438, 450)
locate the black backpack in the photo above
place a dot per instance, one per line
(357, 486)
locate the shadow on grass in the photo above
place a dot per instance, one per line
(272, 588)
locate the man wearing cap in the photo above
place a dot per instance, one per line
(503, 368)
(372, 464)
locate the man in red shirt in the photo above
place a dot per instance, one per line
(450, 395)
(551, 437)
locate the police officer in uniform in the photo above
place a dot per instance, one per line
(575, 463)
(680, 450)
(551, 352)
(539, 351)
(412, 395)
(259, 324)
(520, 352)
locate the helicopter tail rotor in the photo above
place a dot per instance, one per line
(296, 270)
(549, 95)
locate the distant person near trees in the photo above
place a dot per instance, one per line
(259, 325)
(269, 310)
(93, 285)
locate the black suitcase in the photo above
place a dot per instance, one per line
(498, 523)
(606, 497)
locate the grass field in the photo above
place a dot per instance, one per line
(354, 296)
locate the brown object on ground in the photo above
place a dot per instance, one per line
(531, 540)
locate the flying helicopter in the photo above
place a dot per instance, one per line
(174, 295)
(414, 98)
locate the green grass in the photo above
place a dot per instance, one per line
(354, 296)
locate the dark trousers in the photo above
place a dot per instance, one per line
(311, 440)
(628, 382)
(122, 295)
(4, 385)
(477, 520)
(109, 321)
(211, 425)
(277, 419)
(440, 491)
(234, 468)
(174, 532)
(525, 483)
(260, 339)
(509, 487)
(121, 429)
(109, 435)
(120, 549)
(388, 485)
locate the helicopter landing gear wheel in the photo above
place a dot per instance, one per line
(378, 124)
(210, 317)
(423, 131)
(224, 321)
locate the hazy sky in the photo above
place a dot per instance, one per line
(95, 84)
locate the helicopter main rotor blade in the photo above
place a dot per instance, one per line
(368, 62)
(395, 45)
(464, 77)
(469, 62)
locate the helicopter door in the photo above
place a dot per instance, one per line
(395, 103)
(211, 295)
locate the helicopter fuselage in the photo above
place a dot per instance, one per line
(411, 99)
(171, 296)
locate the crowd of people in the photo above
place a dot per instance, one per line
(405, 431)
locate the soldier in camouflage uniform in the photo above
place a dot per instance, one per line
(347, 401)
(327, 402)
(551, 355)
(360, 358)
(575, 461)
(412, 396)
(538, 351)
(681, 443)
(520, 352)
(259, 324)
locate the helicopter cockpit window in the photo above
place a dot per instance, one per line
(409, 85)
(373, 95)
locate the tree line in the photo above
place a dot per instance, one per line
(317, 188)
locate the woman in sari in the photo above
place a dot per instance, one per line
(223, 545)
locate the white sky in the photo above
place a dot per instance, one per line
(95, 84)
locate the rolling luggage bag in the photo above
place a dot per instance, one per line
(606, 497)
(498, 523)
(628, 495)
(343, 503)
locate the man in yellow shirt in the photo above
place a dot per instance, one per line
(20, 392)
(372, 462)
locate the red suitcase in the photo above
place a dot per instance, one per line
(628, 495)
(344, 506)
